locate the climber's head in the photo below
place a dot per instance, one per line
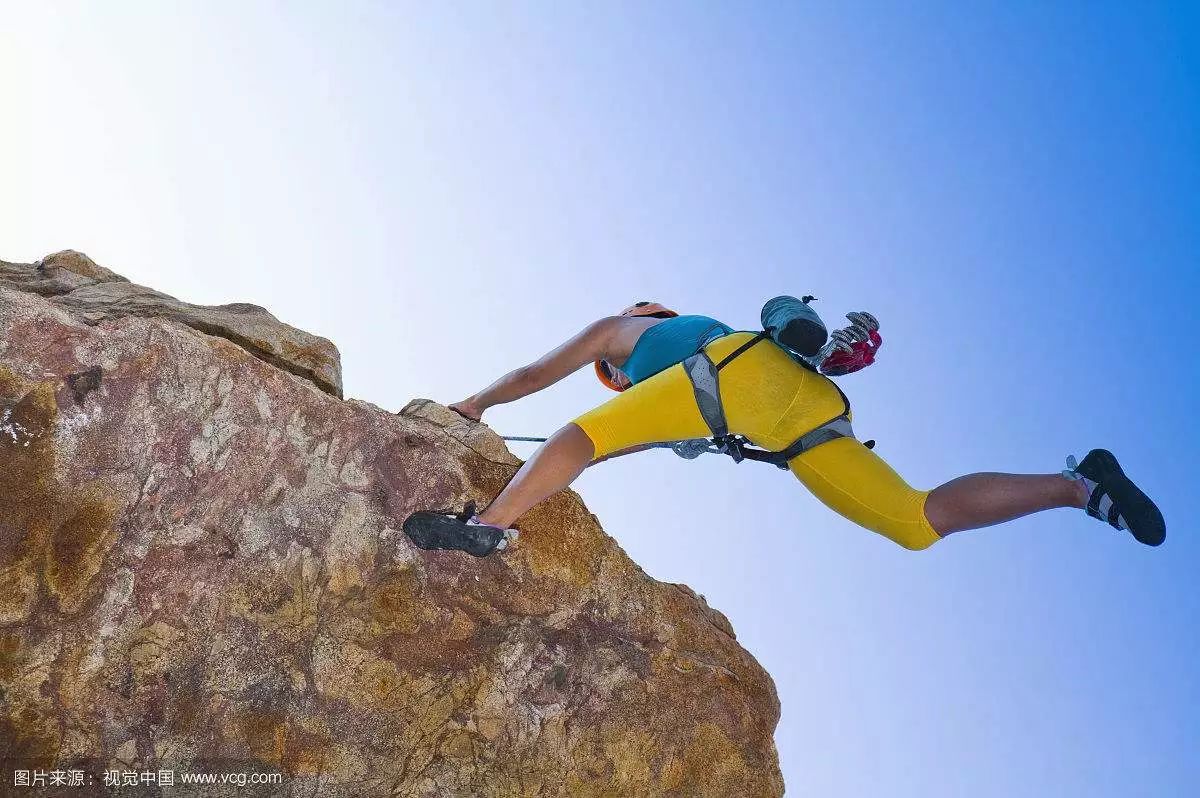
(608, 374)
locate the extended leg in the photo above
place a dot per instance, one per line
(661, 408)
(859, 485)
(554, 466)
(979, 500)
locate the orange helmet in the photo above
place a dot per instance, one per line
(606, 373)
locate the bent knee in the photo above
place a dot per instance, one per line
(912, 529)
(913, 540)
(909, 527)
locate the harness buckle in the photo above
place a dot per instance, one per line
(731, 445)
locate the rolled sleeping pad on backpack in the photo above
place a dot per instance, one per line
(794, 325)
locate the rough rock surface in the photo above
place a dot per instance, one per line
(201, 568)
(94, 294)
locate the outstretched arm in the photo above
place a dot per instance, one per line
(592, 343)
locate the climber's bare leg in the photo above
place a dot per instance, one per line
(979, 500)
(554, 466)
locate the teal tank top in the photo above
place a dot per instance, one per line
(670, 342)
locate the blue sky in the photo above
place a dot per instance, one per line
(1012, 188)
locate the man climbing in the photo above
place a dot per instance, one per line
(665, 367)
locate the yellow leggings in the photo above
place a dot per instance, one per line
(771, 400)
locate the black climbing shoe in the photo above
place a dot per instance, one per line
(1114, 498)
(456, 531)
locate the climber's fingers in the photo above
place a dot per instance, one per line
(466, 410)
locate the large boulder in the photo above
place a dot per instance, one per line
(202, 569)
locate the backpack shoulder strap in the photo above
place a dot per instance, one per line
(761, 336)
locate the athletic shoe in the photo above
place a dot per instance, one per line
(457, 531)
(1114, 499)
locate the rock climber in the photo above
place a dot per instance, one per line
(769, 396)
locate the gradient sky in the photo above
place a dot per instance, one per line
(1012, 188)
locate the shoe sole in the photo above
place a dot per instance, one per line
(436, 532)
(1140, 513)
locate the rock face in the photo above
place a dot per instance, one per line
(201, 569)
(94, 294)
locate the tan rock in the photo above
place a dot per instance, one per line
(200, 561)
(94, 294)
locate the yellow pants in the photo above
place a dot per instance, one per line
(771, 400)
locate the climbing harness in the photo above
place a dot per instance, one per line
(691, 448)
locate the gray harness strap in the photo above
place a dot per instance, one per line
(829, 431)
(706, 385)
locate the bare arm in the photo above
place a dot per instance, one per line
(592, 343)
